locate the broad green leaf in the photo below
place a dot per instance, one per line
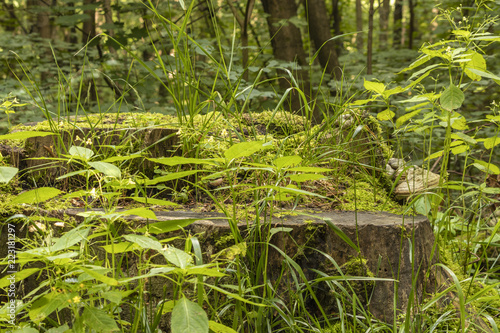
(35, 196)
(202, 270)
(219, 328)
(61, 329)
(81, 152)
(114, 296)
(98, 320)
(393, 91)
(462, 33)
(98, 276)
(177, 257)
(121, 247)
(459, 123)
(243, 149)
(153, 201)
(144, 242)
(7, 173)
(72, 237)
(166, 226)
(178, 160)
(404, 118)
(23, 135)
(422, 60)
(47, 304)
(18, 276)
(302, 177)
(435, 155)
(459, 135)
(287, 161)
(486, 167)
(107, 169)
(476, 62)
(459, 149)
(141, 211)
(171, 176)
(361, 102)
(452, 98)
(491, 142)
(421, 74)
(121, 158)
(376, 87)
(423, 205)
(309, 169)
(385, 115)
(188, 317)
(485, 73)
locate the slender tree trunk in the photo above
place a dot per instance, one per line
(88, 30)
(319, 32)
(384, 9)
(397, 32)
(359, 26)
(337, 20)
(411, 28)
(108, 18)
(287, 45)
(369, 43)
(43, 27)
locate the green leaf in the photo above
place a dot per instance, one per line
(188, 317)
(459, 123)
(35, 196)
(485, 73)
(423, 205)
(302, 177)
(171, 176)
(141, 211)
(98, 320)
(459, 135)
(491, 142)
(23, 135)
(219, 328)
(153, 201)
(81, 153)
(177, 257)
(435, 155)
(61, 329)
(178, 160)
(385, 115)
(376, 87)
(107, 169)
(72, 237)
(459, 149)
(310, 169)
(404, 118)
(287, 161)
(422, 60)
(486, 167)
(121, 247)
(144, 242)
(7, 173)
(452, 98)
(243, 149)
(98, 276)
(166, 226)
(47, 304)
(476, 62)
(18, 276)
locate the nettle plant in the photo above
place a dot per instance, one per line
(457, 67)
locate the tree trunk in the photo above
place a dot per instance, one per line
(384, 10)
(411, 28)
(286, 41)
(370, 40)
(319, 32)
(359, 26)
(398, 24)
(88, 29)
(43, 27)
(337, 19)
(108, 18)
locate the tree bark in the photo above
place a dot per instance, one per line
(337, 20)
(369, 44)
(287, 45)
(411, 28)
(88, 30)
(384, 10)
(398, 24)
(319, 32)
(108, 18)
(359, 26)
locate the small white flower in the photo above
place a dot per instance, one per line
(88, 142)
(92, 193)
(223, 133)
